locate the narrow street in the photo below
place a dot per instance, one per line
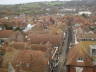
(65, 47)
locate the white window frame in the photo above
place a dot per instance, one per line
(80, 59)
(79, 69)
(91, 48)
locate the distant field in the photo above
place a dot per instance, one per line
(38, 8)
(29, 8)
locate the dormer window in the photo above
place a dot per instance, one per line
(93, 50)
(80, 59)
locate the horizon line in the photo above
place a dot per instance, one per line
(32, 2)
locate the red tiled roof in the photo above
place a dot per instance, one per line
(20, 45)
(29, 60)
(17, 22)
(28, 46)
(17, 36)
(6, 33)
(43, 38)
(80, 50)
(41, 47)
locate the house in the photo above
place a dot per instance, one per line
(20, 45)
(5, 34)
(18, 36)
(28, 61)
(85, 12)
(18, 23)
(82, 56)
(36, 38)
(13, 23)
(86, 37)
(47, 47)
(48, 20)
(28, 46)
(45, 21)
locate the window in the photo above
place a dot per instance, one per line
(94, 61)
(80, 59)
(93, 50)
(79, 69)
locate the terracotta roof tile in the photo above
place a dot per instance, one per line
(80, 50)
(29, 60)
(43, 38)
(6, 33)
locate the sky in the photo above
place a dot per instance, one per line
(23, 1)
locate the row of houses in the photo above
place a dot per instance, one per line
(82, 52)
(35, 49)
(30, 50)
